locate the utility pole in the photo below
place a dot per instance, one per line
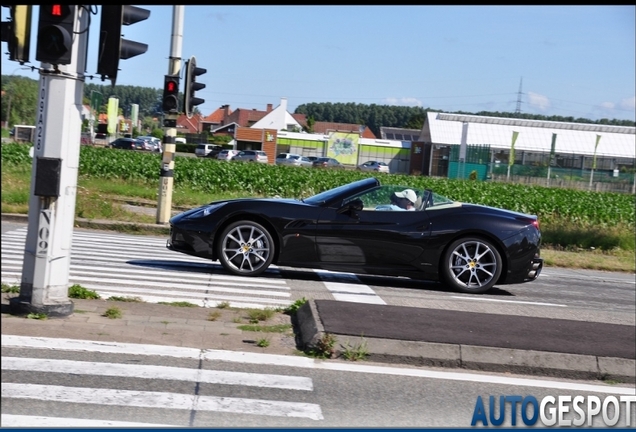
(164, 204)
(518, 110)
(47, 253)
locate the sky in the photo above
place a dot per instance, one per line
(576, 61)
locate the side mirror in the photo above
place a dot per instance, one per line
(352, 207)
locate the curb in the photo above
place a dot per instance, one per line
(479, 358)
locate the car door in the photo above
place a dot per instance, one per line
(370, 238)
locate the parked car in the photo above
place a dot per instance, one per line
(154, 142)
(374, 166)
(251, 156)
(128, 144)
(226, 154)
(292, 159)
(469, 248)
(283, 158)
(207, 150)
(327, 162)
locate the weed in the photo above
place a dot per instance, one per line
(213, 316)
(79, 292)
(112, 313)
(237, 319)
(357, 352)
(79, 311)
(263, 343)
(324, 347)
(10, 289)
(165, 322)
(256, 315)
(223, 305)
(279, 328)
(126, 299)
(179, 304)
(293, 308)
(37, 316)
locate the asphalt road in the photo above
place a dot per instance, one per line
(580, 295)
(261, 393)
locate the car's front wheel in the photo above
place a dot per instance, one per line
(245, 248)
(471, 265)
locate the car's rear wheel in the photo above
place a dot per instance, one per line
(245, 248)
(471, 265)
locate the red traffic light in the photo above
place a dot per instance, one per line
(170, 101)
(56, 11)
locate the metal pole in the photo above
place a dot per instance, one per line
(164, 204)
(47, 252)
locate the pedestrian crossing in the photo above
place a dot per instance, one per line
(125, 265)
(123, 383)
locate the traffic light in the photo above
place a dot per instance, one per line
(112, 46)
(170, 99)
(191, 86)
(17, 32)
(55, 34)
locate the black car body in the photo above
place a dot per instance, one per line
(128, 144)
(327, 162)
(470, 247)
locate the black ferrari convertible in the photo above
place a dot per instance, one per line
(469, 247)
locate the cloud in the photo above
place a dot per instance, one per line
(408, 101)
(629, 103)
(538, 101)
(607, 105)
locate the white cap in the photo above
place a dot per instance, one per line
(409, 194)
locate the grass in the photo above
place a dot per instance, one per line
(11, 289)
(112, 313)
(125, 299)
(277, 328)
(79, 292)
(355, 352)
(214, 315)
(256, 315)
(293, 308)
(37, 316)
(263, 343)
(324, 348)
(179, 304)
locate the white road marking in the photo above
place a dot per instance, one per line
(11, 341)
(162, 400)
(354, 292)
(130, 266)
(10, 420)
(157, 373)
(508, 301)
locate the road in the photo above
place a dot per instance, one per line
(96, 384)
(140, 266)
(84, 383)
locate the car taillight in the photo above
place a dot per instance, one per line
(536, 223)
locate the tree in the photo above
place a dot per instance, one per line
(19, 101)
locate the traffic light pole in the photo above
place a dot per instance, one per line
(164, 204)
(47, 253)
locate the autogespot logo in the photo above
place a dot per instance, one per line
(564, 411)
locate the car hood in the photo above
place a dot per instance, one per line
(205, 210)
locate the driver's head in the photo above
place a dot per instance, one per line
(408, 195)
